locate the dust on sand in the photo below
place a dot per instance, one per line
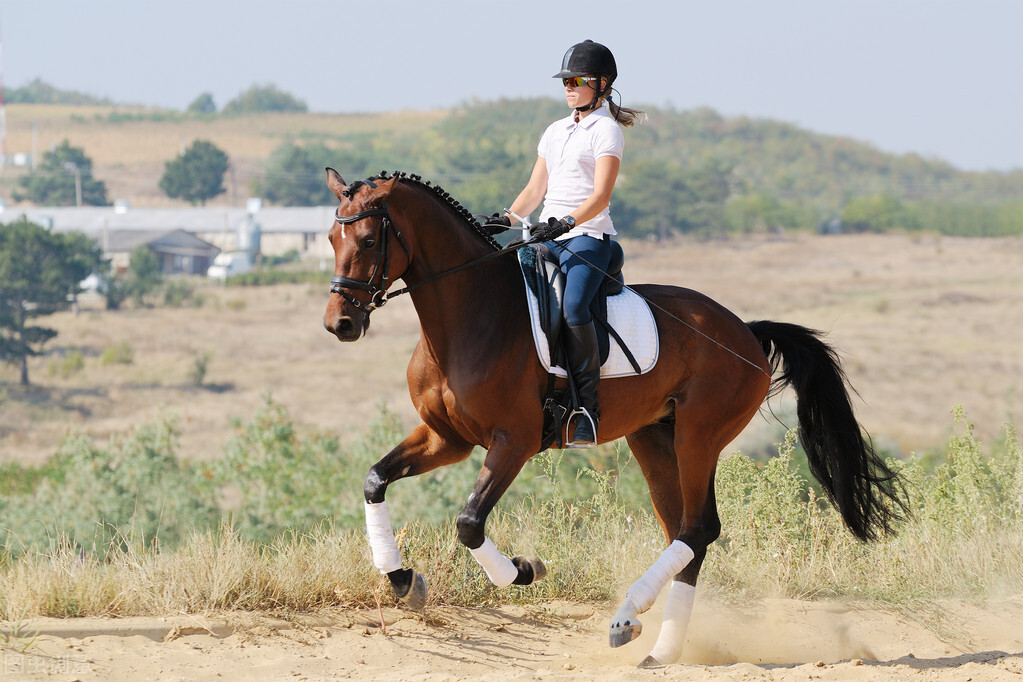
(765, 640)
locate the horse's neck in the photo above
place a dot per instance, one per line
(467, 303)
(462, 308)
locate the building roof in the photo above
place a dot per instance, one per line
(95, 219)
(172, 241)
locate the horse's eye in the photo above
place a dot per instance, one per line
(368, 243)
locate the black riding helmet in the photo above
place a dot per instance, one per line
(589, 57)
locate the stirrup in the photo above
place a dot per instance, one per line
(580, 444)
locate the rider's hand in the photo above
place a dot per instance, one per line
(494, 224)
(552, 229)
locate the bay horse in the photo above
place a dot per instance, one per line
(475, 380)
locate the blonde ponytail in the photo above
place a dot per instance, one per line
(625, 116)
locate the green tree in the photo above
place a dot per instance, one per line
(264, 98)
(39, 273)
(144, 274)
(203, 104)
(64, 176)
(659, 197)
(293, 176)
(141, 278)
(197, 175)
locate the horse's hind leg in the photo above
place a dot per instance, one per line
(679, 606)
(673, 493)
(654, 449)
(420, 452)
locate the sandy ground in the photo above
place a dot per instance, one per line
(767, 640)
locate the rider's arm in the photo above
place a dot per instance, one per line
(604, 176)
(530, 197)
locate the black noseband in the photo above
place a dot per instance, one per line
(378, 292)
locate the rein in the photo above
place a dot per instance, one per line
(379, 295)
(675, 317)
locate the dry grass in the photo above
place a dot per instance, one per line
(129, 156)
(211, 572)
(964, 541)
(923, 323)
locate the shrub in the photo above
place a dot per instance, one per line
(200, 364)
(82, 529)
(72, 363)
(268, 276)
(285, 480)
(178, 293)
(121, 354)
(134, 487)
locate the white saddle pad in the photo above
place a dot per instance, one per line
(631, 318)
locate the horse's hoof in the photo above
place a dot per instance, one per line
(650, 662)
(531, 569)
(416, 598)
(624, 632)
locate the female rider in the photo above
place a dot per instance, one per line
(576, 167)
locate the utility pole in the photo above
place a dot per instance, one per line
(3, 110)
(72, 167)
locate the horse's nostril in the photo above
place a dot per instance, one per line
(344, 326)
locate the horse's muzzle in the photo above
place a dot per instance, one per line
(345, 327)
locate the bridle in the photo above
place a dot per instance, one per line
(378, 294)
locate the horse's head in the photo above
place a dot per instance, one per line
(369, 254)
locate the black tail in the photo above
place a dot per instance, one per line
(869, 495)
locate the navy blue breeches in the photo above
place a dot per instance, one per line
(581, 280)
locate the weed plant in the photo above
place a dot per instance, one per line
(120, 354)
(277, 523)
(266, 276)
(71, 363)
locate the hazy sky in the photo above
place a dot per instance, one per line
(942, 78)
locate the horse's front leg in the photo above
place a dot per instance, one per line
(503, 462)
(422, 451)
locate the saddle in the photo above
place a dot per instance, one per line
(543, 276)
(545, 284)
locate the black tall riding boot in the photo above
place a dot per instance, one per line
(584, 364)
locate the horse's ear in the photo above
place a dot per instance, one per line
(335, 182)
(388, 185)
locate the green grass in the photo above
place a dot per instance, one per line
(131, 529)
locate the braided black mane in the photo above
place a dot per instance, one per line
(418, 181)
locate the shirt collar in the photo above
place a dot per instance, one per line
(588, 121)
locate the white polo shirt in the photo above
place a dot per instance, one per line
(570, 151)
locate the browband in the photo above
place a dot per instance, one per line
(345, 220)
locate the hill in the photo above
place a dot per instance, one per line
(40, 92)
(692, 171)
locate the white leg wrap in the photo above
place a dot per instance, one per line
(386, 556)
(645, 590)
(498, 567)
(677, 611)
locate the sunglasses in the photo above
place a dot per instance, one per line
(577, 81)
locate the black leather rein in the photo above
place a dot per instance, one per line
(379, 294)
